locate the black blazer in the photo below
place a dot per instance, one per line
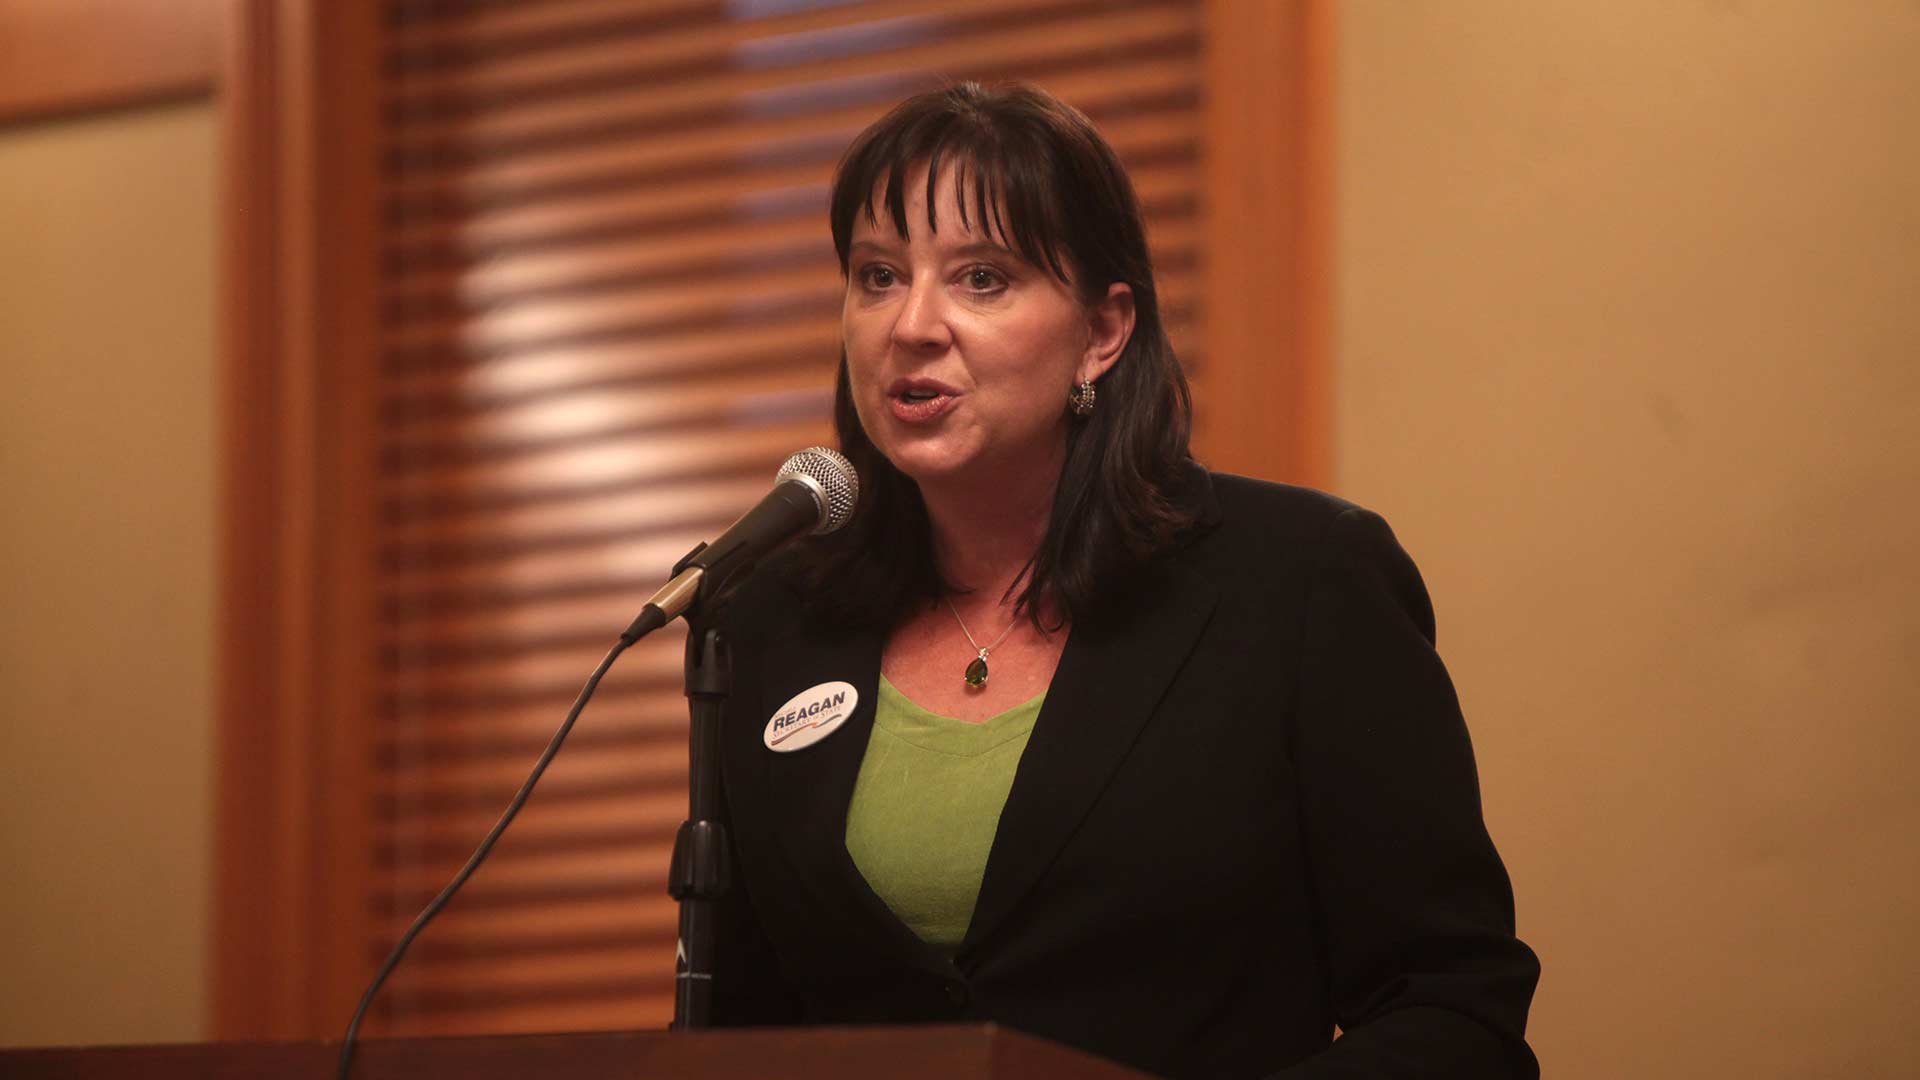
(1248, 812)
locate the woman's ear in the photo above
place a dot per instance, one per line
(1110, 327)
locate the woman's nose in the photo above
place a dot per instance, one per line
(922, 321)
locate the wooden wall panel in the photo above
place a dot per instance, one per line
(66, 56)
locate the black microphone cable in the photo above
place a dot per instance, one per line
(651, 618)
(816, 489)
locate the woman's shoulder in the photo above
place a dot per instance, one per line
(1262, 529)
(1246, 497)
(1246, 508)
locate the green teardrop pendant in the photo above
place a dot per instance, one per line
(977, 672)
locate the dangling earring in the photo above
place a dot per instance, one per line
(1080, 398)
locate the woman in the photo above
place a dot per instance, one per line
(1154, 762)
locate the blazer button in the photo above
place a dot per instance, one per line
(957, 992)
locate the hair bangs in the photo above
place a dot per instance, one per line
(1000, 185)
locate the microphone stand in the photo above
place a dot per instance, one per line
(701, 870)
(816, 488)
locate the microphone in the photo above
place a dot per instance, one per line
(814, 492)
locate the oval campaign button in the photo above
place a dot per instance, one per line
(810, 715)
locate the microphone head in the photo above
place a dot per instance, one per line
(830, 476)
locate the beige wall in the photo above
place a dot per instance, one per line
(1629, 352)
(107, 246)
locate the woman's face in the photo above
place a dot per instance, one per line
(960, 354)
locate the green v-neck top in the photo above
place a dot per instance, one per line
(926, 805)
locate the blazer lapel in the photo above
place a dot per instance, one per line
(1110, 679)
(813, 786)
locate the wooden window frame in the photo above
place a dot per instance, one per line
(298, 324)
(1269, 318)
(300, 106)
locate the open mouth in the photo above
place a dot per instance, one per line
(920, 401)
(918, 391)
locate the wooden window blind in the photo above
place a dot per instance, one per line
(609, 310)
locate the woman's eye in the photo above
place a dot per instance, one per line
(877, 277)
(981, 279)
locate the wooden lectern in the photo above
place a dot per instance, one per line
(943, 1052)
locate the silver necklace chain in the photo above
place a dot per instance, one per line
(976, 645)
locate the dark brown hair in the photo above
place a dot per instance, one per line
(1033, 170)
